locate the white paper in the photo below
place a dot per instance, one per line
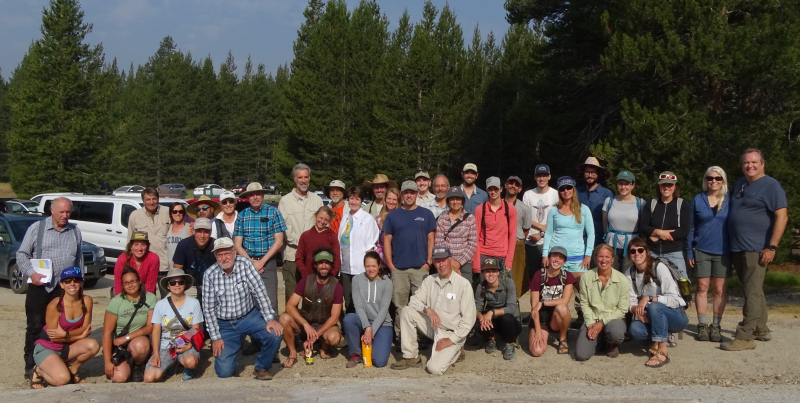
(450, 295)
(42, 266)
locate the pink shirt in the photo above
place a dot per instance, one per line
(148, 272)
(499, 241)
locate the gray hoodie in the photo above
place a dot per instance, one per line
(372, 299)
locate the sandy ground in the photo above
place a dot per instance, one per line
(697, 371)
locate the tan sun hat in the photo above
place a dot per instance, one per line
(253, 188)
(380, 178)
(602, 173)
(334, 184)
(191, 209)
(172, 273)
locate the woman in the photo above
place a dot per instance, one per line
(358, 233)
(665, 223)
(225, 221)
(455, 229)
(371, 323)
(551, 289)
(621, 218)
(179, 230)
(65, 337)
(390, 203)
(655, 301)
(125, 329)
(138, 256)
(707, 249)
(320, 236)
(497, 309)
(173, 341)
(604, 302)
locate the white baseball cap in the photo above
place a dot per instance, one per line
(227, 195)
(223, 243)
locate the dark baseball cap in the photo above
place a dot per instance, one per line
(441, 252)
(514, 178)
(542, 169)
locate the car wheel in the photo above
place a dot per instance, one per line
(18, 281)
(90, 282)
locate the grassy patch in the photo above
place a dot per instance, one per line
(6, 191)
(772, 282)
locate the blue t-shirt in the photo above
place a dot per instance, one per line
(409, 230)
(594, 200)
(194, 260)
(752, 213)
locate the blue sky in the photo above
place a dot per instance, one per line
(263, 29)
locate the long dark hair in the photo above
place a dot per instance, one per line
(382, 271)
(176, 204)
(128, 269)
(649, 260)
(63, 292)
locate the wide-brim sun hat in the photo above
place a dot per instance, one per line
(334, 184)
(252, 189)
(380, 179)
(602, 173)
(174, 273)
(191, 209)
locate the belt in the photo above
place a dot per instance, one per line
(239, 318)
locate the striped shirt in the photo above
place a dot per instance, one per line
(63, 248)
(258, 229)
(462, 240)
(230, 297)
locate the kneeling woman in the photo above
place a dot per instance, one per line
(655, 301)
(551, 289)
(371, 322)
(126, 327)
(176, 338)
(497, 309)
(65, 336)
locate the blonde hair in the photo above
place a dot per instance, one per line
(384, 210)
(724, 189)
(600, 247)
(574, 205)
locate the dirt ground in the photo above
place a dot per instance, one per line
(699, 367)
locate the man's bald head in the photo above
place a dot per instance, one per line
(60, 210)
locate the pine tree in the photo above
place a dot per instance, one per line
(5, 123)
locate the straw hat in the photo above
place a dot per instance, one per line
(191, 209)
(602, 173)
(253, 188)
(380, 179)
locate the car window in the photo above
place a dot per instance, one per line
(14, 207)
(127, 209)
(137, 188)
(19, 228)
(99, 212)
(4, 235)
(122, 188)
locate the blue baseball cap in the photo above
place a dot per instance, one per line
(565, 181)
(71, 272)
(542, 169)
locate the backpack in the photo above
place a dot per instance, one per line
(562, 279)
(627, 234)
(653, 208)
(483, 219)
(676, 274)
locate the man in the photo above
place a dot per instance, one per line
(438, 205)
(378, 187)
(231, 289)
(423, 181)
(154, 220)
(540, 200)
(194, 254)
(322, 298)
(407, 245)
(298, 208)
(757, 219)
(222, 226)
(59, 241)
(495, 222)
(513, 186)
(203, 207)
(474, 195)
(336, 191)
(443, 309)
(593, 194)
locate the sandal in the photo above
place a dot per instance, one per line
(563, 347)
(289, 362)
(37, 384)
(657, 358)
(653, 350)
(77, 379)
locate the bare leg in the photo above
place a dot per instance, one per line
(560, 321)
(537, 347)
(720, 295)
(55, 371)
(140, 349)
(701, 297)
(290, 329)
(330, 338)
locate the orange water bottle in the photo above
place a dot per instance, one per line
(366, 354)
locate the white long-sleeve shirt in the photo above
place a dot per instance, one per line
(668, 293)
(452, 300)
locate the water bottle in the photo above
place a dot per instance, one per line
(366, 354)
(309, 357)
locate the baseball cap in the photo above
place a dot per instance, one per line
(409, 185)
(514, 178)
(490, 263)
(667, 177)
(626, 175)
(323, 256)
(454, 191)
(470, 167)
(558, 249)
(542, 169)
(565, 181)
(493, 181)
(421, 173)
(441, 252)
(227, 195)
(223, 243)
(202, 223)
(71, 272)
(139, 236)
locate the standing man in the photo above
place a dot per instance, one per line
(194, 255)
(154, 220)
(757, 219)
(231, 291)
(52, 238)
(513, 187)
(593, 194)
(496, 224)
(540, 200)
(378, 187)
(407, 245)
(423, 181)
(336, 191)
(474, 195)
(298, 208)
(438, 205)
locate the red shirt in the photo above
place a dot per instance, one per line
(499, 241)
(148, 272)
(312, 240)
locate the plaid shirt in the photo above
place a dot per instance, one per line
(462, 240)
(63, 248)
(258, 229)
(229, 297)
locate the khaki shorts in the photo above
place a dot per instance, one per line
(708, 265)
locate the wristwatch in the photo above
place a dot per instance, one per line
(773, 247)
(127, 337)
(651, 298)
(541, 233)
(493, 314)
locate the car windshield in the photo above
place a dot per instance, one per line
(122, 189)
(19, 228)
(243, 185)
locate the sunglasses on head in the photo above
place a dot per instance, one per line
(634, 251)
(72, 280)
(714, 178)
(228, 201)
(202, 208)
(177, 211)
(177, 282)
(665, 176)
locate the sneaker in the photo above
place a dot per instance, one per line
(407, 363)
(702, 332)
(671, 341)
(763, 336)
(714, 333)
(613, 351)
(738, 345)
(188, 374)
(508, 352)
(354, 360)
(491, 347)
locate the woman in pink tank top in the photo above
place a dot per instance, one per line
(65, 336)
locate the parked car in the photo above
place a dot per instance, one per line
(8, 205)
(272, 187)
(133, 190)
(241, 187)
(38, 197)
(209, 190)
(325, 200)
(176, 190)
(12, 230)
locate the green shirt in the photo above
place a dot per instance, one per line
(605, 304)
(123, 308)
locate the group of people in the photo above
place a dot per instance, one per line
(445, 264)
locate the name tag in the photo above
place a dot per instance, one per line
(450, 295)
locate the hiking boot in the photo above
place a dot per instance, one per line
(407, 363)
(491, 347)
(461, 356)
(613, 351)
(738, 345)
(702, 332)
(262, 375)
(508, 352)
(714, 333)
(763, 336)
(354, 360)
(671, 340)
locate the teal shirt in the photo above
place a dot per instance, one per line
(564, 231)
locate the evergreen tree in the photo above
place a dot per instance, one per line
(4, 125)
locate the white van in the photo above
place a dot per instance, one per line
(103, 220)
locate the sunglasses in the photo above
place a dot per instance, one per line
(228, 201)
(634, 251)
(563, 188)
(177, 211)
(714, 178)
(72, 280)
(665, 176)
(202, 208)
(177, 282)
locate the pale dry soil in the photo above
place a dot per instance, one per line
(698, 371)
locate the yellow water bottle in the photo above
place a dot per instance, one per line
(366, 354)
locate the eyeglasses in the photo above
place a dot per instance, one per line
(563, 188)
(178, 212)
(228, 201)
(177, 282)
(72, 280)
(665, 176)
(202, 208)
(590, 173)
(132, 282)
(634, 251)
(714, 178)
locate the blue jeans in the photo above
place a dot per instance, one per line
(381, 340)
(677, 258)
(252, 325)
(661, 320)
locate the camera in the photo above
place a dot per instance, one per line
(120, 355)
